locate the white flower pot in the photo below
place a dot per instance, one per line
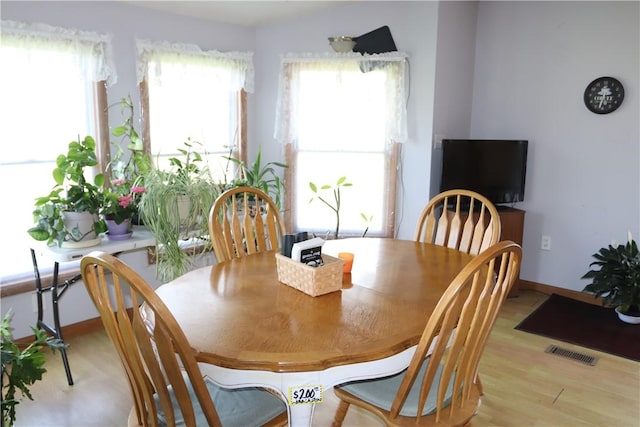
(634, 320)
(80, 226)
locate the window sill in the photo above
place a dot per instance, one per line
(22, 286)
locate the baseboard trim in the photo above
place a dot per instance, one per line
(73, 330)
(569, 293)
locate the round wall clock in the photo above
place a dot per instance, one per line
(604, 95)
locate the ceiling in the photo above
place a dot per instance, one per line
(238, 12)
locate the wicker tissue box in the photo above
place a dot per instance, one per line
(312, 281)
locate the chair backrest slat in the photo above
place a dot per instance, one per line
(244, 221)
(459, 219)
(457, 331)
(152, 348)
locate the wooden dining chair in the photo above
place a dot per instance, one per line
(166, 384)
(459, 219)
(440, 387)
(244, 221)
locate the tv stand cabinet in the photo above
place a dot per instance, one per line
(512, 221)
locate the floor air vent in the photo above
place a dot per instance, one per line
(573, 355)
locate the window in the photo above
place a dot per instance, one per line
(194, 95)
(49, 82)
(342, 116)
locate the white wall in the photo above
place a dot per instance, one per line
(533, 61)
(454, 78)
(413, 26)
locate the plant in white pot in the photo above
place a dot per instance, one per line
(617, 280)
(175, 208)
(69, 214)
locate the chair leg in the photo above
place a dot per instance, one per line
(479, 385)
(341, 412)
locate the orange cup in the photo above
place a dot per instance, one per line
(347, 257)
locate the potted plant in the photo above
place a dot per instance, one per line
(22, 366)
(617, 280)
(260, 176)
(175, 208)
(74, 201)
(120, 205)
(132, 169)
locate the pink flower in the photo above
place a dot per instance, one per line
(138, 190)
(118, 181)
(125, 200)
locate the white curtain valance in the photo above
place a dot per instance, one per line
(92, 51)
(343, 57)
(393, 64)
(237, 65)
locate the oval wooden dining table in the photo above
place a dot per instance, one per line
(249, 329)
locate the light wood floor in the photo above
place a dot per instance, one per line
(523, 385)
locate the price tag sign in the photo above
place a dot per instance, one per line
(306, 394)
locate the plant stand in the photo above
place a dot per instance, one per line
(141, 238)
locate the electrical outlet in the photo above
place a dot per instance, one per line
(545, 243)
(437, 141)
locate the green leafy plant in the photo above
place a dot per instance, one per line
(22, 366)
(72, 192)
(260, 176)
(137, 164)
(334, 204)
(121, 201)
(128, 167)
(367, 221)
(175, 208)
(617, 280)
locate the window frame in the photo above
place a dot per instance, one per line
(392, 159)
(21, 283)
(67, 40)
(240, 149)
(287, 122)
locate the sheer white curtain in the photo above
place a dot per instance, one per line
(342, 115)
(194, 94)
(234, 69)
(394, 69)
(91, 52)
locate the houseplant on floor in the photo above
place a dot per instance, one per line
(175, 208)
(22, 366)
(72, 195)
(617, 280)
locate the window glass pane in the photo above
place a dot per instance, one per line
(199, 108)
(363, 170)
(43, 107)
(342, 123)
(342, 111)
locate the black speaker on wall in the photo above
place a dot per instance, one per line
(376, 41)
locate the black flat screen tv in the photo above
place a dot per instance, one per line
(494, 168)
